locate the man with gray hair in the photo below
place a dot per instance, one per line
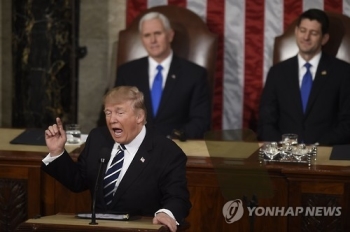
(176, 90)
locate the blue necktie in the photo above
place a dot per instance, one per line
(112, 175)
(157, 88)
(306, 85)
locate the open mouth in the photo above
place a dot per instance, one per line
(117, 131)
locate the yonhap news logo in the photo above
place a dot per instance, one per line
(234, 210)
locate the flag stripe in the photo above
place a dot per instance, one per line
(254, 42)
(198, 7)
(333, 5)
(246, 32)
(233, 65)
(273, 27)
(181, 3)
(134, 8)
(318, 4)
(346, 7)
(152, 3)
(292, 9)
(215, 22)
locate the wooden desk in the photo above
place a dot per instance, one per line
(68, 222)
(25, 191)
(325, 184)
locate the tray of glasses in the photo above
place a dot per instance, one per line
(288, 153)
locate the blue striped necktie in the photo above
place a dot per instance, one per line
(306, 85)
(157, 88)
(112, 174)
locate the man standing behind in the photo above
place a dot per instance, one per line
(308, 94)
(176, 90)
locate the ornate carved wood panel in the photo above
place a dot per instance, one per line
(13, 203)
(19, 195)
(313, 222)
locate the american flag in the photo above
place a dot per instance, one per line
(246, 31)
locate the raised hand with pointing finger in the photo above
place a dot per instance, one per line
(55, 138)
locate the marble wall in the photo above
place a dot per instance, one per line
(100, 22)
(5, 64)
(44, 63)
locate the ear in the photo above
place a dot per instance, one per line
(325, 38)
(171, 34)
(296, 30)
(140, 117)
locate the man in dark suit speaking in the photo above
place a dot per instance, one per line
(146, 172)
(176, 90)
(308, 94)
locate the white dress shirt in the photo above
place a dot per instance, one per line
(302, 69)
(129, 154)
(152, 69)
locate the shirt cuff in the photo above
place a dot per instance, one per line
(48, 159)
(167, 212)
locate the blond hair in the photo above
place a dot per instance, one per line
(121, 94)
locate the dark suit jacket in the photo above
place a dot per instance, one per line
(327, 117)
(185, 103)
(158, 182)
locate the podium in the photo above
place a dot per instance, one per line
(69, 222)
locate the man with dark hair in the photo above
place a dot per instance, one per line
(308, 94)
(146, 172)
(176, 90)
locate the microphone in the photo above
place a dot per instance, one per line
(179, 134)
(105, 154)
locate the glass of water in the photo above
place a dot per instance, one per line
(290, 139)
(73, 133)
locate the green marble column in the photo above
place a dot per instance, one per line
(44, 62)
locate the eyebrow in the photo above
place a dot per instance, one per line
(309, 29)
(118, 108)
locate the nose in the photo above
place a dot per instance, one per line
(153, 38)
(307, 35)
(112, 118)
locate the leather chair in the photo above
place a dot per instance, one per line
(192, 41)
(338, 44)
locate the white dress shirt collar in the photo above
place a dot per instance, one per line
(314, 61)
(134, 145)
(152, 68)
(314, 64)
(129, 154)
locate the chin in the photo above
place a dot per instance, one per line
(155, 55)
(307, 51)
(118, 140)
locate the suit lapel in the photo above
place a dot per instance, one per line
(110, 144)
(144, 86)
(294, 87)
(320, 80)
(136, 167)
